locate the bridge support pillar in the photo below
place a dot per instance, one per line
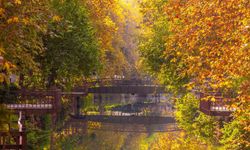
(100, 104)
(78, 106)
(58, 98)
(84, 127)
(158, 98)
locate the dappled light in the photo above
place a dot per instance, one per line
(125, 74)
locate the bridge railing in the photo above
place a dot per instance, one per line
(35, 100)
(13, 140)
(216, 103)
(118, 81)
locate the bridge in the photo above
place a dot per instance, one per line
(124, 86)
(49, 101)
(77, 126)
(128, 89)
(36, 101)
(126, 119)
(8, 138)
(40, 102)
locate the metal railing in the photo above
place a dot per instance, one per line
(13, 140)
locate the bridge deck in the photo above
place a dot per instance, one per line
(128, 89)
(127, 119)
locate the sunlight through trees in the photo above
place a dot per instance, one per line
(198, 50)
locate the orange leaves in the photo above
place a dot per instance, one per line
(213, 32)
(13, 20)
(109, 20)
(26, 21)
(2, 12)
(18, 2)
(212, 40)
(107, 16)
(214, 46)
(21, 26)
(5, 69)
(56, 18)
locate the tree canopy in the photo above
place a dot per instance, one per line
(203, 45)
(71, 48)
(189, 45)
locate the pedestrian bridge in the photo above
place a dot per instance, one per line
(126, 119)
(121, 86)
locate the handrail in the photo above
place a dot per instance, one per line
(18, 137)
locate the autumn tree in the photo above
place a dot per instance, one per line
(212, 40)
(21, 26)
(235, 134)
(72, 50)
(195, 123)
(153, 44)
(207, 47)
(116, 30)
(176, 141)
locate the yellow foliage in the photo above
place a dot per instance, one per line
(6, 66)
(212, 47)
(1, 50)
(2, 11)
(56, 18)
(13, 20)
(1, 77)
(109, 22)
(212, 99)
(94, 125)
(212, 39)
(176, 141)
(25, 21)
(18, 2)
(108, 18)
